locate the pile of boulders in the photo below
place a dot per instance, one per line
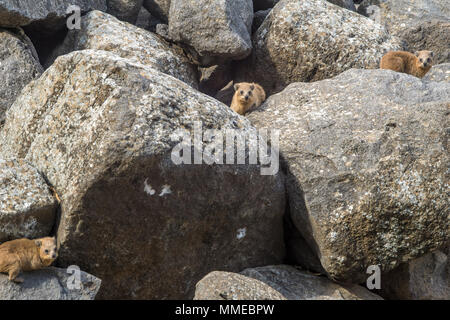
(91, 113)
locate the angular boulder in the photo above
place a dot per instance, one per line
(50, 12)
(101, 31)
(281, 282)
(27, 208)
(312, 40)
(101, 128)
(125, 10)
(19, 64)
(366, 156)
(51, 284)
(216, 30)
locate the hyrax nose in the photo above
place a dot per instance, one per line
(246, 97)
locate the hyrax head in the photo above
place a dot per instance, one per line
(425, 59)
(244, 91)
(47, 249)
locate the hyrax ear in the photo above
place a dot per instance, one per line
(416, 53)
(38, 243)
(252, 87)
(432, 54)
(236, 87)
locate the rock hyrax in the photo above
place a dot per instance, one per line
(26, 255)
(247, 96)
(401, 61)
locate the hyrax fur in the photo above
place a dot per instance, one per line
(401, 61)
(26, 255)
(247, 96)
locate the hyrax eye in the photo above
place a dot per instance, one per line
(421, 60)
(46, 251)
(242, 92)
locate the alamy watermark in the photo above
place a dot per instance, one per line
(374, 281)
(74, 280)
(228, 146)
(74, 20)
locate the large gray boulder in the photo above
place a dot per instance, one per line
(102, 130)
(51, 284)
(280, 282)
(421, 24)
(216, 30)
(19, 64)
(312, 40)
(101, 31)
(50, 12)
(27, 208)
(425, 278)
(367, 160)
(125, 10)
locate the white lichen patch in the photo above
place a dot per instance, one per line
(165, 190)
(148, 188)
(241, 233)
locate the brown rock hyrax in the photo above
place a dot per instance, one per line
(247, 96)
(26, 255)
(401, 61)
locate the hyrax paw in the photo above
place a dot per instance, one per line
(18, 280)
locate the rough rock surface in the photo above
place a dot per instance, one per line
(347, 4)
(426, 278)
(219, 285)
(50, 284)
(101, 129)
(125, 10)
(367, 160)
(27, 208)
(50, 12)
(439, 72)
(422, 24)
(158, 8)
(218, 30)
(280, 282)
(19, 65)
(312, 40)
(101, 31)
